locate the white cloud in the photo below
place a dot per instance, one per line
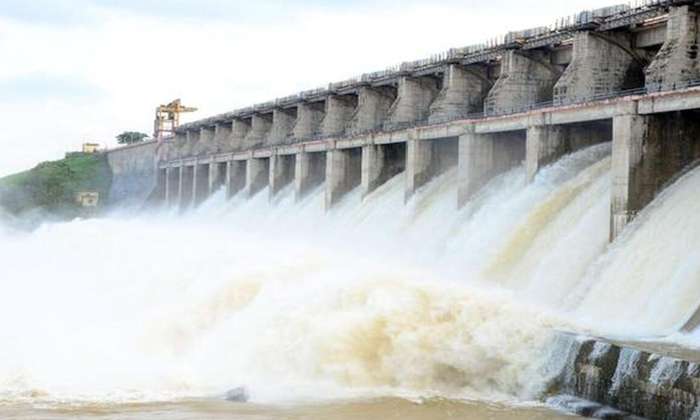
(137, 58)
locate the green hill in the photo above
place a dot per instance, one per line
(50, 188)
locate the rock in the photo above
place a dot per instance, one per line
(239, 394)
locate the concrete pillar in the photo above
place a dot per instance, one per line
(380, 163)
(372, 108)
(281, 172)
(186, 189)
(600, 65)
(310, 172)
(463, 93)
(217, 176)
(257, 176)
(259, 128)
(339, 112)
(191, 139)
(172, 186)
(161, 185)
(282, 124)
(235, 177)
(200, 186)
(677, 60)
(418, 165)
(544, 144)
(412, 104)
(526, 78)
(343, 173)
(239, 130)
(484, 156)
(205, 145)
(309, 118)
(173, 148)
(222, 134)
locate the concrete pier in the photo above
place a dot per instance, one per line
(240, 128)
(172, 186)
(412, 104)
(309, 118)
(222, 133)
(484, 156)
(339, 112)
(677, 61)
(343, 173)
(235, 177)
(282, 125)
(310, 172)
(186, 190)
(257, 176)
(426, 159)
(526, 78)
(217, 176)
(259, 128)
(648, 152)
(380, 163)
(601, 64)
(463, 93)
(200, 188)
(282, 168)
(372, 108)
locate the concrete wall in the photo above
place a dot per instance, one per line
(412, 104)
(343, 173)
(133, 174)
(426, 159)
(380, 163)
(310, 115)
(463, 93)
(282, 125)
(310, 172)
(372, 109)
(259, 128)
(339, 112)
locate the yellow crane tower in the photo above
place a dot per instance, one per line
(168, 117)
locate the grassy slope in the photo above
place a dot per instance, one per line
(50, 187)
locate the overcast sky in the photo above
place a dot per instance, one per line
(74, 71)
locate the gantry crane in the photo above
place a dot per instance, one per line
(168, 117)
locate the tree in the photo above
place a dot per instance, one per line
(131, 137)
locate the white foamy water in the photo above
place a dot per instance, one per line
(374, 298)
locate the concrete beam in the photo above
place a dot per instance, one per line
(372, 108)
(380, 163)
(526, 78)
(412, 104)
(602, 64)
(309, 118)
(463, 93)
(339, 112)
(343, 174)
(282, 169)
(282, 125)
(257, 176)
(310, 172)
(677, 60)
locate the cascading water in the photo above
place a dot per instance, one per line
(375, 298)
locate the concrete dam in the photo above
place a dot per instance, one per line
(557, 165)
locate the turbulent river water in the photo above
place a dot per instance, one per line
(377, 309)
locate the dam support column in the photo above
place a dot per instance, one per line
(309, 118)
(282, 124)
(412, 104)
(426, 159)
(339, 112)
(257, 175)
(235, 177)
(677, 61)
(372, 108)
(649, 151)
(380, 163)
(282, 169)
(217, 176)
(484, 156)
(200, 187)
(186, 186)
(526, 78)
(259, 128)
(310, 172)
(601, 64)
(172, 185)
(222, 134)
(463, 92)
(544, 144)
(343, 173)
